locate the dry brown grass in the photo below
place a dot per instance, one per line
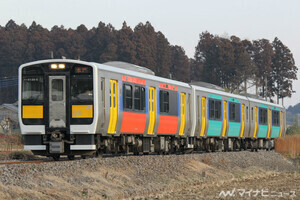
(206, 160)
(288, 146)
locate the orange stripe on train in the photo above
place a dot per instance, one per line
(167, 124)
(133, 122)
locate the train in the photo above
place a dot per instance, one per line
(77, 108)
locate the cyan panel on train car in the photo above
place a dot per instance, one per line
(262, 128)
(234, 127)
(214, 126)
(275, 129)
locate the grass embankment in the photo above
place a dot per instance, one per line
(288, 146)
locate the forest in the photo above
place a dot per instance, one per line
(228, 62)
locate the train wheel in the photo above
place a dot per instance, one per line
(213, 147)
(71, 157)
(56, 157)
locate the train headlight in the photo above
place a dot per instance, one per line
(53, 66)
(61, 66)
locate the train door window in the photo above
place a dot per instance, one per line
(164, 101)
(127, 96)
(214, 109)
(57, 90)
(198, 110)
(263, 116)
(103, 100)
(247, 113)
(252, 113)
(275, 118)
(234, 112)
(139, 98)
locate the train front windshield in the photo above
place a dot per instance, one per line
(33, 85)
(82, 87)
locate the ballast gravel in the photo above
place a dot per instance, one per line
(126, 176)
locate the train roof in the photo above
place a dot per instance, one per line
(140, 74)
(129, 66)
(223, 93)
(139, 71)
(204, 89)
(265, 102)
(55, 61)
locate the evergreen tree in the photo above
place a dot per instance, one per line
(126, 46)
(180, 69)
(243, 65)
(284, 70)
(263, 54)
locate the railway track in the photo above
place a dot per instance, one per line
(31, 162)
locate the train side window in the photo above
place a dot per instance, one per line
(234, 112)
(164, 101)
(217, 110)
(211, 109)
(139, 98)
(103, 90)
(263, 116)
(214, 109)
(275, 118)
(127, 90)
(143, 98)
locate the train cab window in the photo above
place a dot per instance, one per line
(263, 116)
(81, 84)
(164, 101)
(33, 88)
(275, 118)
(214, 109)
(234, 112)
(127, 96)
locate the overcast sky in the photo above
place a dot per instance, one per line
(180, 21)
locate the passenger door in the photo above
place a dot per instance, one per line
(152, 110)
(57, 101)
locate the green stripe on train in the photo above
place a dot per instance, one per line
(234, 100)
(214, 96)
(263, 105)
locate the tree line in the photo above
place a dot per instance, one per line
(232, 62)
(227, 62)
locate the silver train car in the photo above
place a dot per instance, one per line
(71, 107)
